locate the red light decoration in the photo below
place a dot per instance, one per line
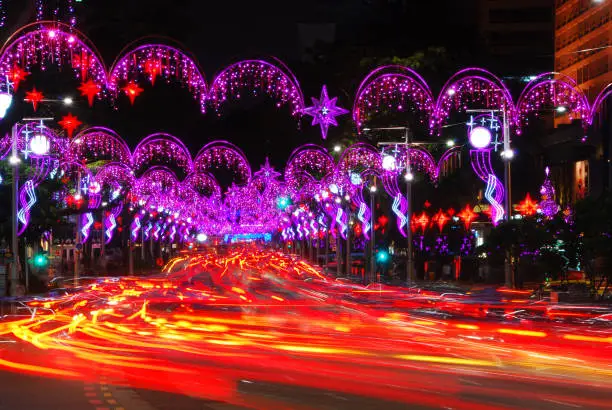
(70, 123)
(422, 221)
(468, 216)
(89, 89)
(83, 62)
(440, 219)
(527, 207)
(34, 97)
(153, 68)
(132, 90)
(17, 75)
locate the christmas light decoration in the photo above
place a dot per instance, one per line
(527, 207)
(90, 89)
(70, 123)
(549, 91)
(468, 216)
(324, 112)
(440, 219)
(132, 90)
(34, 97)
(548, 205)
(257, 76)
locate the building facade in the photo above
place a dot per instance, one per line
(583, 52)
(519, 33)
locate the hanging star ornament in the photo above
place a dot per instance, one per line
(17, 75)
(89, 89)
(70, 123)
(132, 90)
(34, 97)
(324, 112)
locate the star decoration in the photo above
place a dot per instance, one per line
(34, 97)
(420, 221)
(440, 219)
(17, 75)
(267, 172)
(132, 90)
(89, 89)
(527, 206)
(468, 216)
(153, 68)
(324, 112)
(70, 123)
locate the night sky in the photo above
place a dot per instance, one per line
(221, 32)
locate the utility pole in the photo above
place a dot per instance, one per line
(509, 277)
(77, 245)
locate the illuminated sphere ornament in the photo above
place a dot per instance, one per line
(356, 178)
(6, 99)
(201, 237)
(39, 145)
(389, 163)
(480, 137)
(283, 202)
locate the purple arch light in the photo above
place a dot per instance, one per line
(307, 165)
(474, 85)
(46, 43)
(257, 76)
(159, 60)
(549, 91)
(162, 149)
(203, 183)
(599, 100)
(223, 154)
(99, 143)
(393, 86)
(361, 158)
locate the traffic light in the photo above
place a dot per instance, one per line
(40, 260)
(382, 256)
(282, 202)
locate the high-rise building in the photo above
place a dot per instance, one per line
(583, 37)
(518, 34)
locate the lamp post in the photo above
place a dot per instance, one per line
(373, 190)
(507, 155)
(409, 177)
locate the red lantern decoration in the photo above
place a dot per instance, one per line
(34, 97)
(70, 123)
(90, 89)
(527, 207)
(132, 90)
(17, 75)
(422, 221)
(468, 216)
(440, 219)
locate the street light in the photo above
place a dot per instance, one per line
(68, 101)
(337, 148)
(450, 143)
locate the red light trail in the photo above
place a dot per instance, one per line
(210, 321)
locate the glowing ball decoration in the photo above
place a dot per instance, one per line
(201, 237)
(283, 202)
(6, 99)
(480, 137)
(389, 163)
(356, 178)
(39, 145)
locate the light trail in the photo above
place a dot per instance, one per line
(210, 321)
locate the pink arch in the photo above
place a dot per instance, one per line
(551, 90)
(472, 84)
(113, 172)
(153, 60)
(220, 154)
(197, 180)
(64, 43)
(103, 140)
(309, 155)
(174, 150)
(601, 97)
(403, 85)
(361, 155)
(257, 76)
